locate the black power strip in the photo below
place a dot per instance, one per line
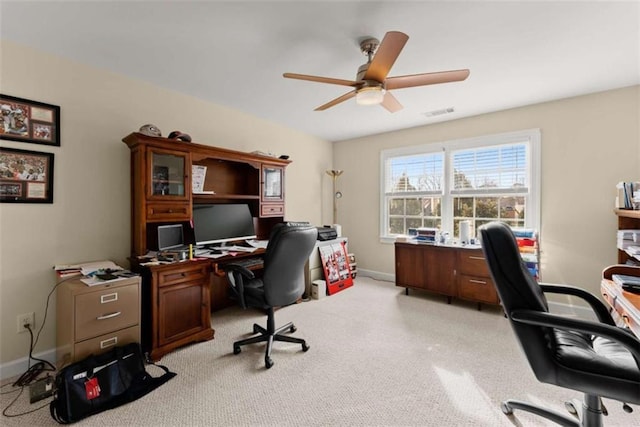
(41, 389)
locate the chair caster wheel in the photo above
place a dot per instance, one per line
(236, 349)
(268, 362)
(305, 347)
(293, 328)
(506, 409)
(570, 407)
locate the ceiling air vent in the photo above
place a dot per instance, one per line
(440, 112)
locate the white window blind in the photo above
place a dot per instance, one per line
(494, 177)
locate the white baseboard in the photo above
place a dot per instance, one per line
(564, 309)
(17, 367)
(386, 277)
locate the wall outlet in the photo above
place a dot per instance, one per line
(26, 319)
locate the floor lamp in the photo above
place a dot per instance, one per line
(336, 194)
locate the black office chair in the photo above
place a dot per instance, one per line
(593, 357)
(281, 284)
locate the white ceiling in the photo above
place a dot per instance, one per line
(234, 53)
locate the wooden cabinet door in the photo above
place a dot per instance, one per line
(272, 185)
(169, 175)
(409, 266)
(183, 310)
(438, 270)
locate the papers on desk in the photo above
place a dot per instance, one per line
(95, 272)
(258, 244)
(211, 255)
(85, 269)
(624, 280)
(222, 251)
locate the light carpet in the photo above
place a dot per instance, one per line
(378, 358)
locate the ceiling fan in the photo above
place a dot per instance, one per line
(371, 85)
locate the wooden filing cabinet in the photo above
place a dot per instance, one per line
(92, 319)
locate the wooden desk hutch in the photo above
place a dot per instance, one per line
(177, 298)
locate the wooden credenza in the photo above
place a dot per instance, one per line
(452, 271)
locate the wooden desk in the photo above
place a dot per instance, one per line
(625, 305)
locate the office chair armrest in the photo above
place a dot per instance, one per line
(237, 268)
(629, 341)
(597, 306)
(235, 276)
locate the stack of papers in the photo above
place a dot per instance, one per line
(94, 272)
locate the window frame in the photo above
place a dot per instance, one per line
(531, 137)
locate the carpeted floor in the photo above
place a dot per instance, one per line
(377, 357)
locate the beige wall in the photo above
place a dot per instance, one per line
(90, 216)
(589, 143)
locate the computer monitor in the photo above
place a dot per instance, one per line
(170, 236)
(222, 223)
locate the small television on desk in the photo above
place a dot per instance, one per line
(220, 223)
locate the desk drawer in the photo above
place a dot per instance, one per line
(105, 342)
(629, 320)
(97, 313)
(472, 263)
(272, 210)
(168, 211)
(477, 289)
(184, 274)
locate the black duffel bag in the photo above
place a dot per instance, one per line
(102, 382)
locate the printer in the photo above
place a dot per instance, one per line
(327, 233)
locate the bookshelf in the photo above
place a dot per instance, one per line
(627, 220)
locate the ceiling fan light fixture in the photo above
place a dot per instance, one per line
(370, 95)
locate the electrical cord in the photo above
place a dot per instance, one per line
(33, 371)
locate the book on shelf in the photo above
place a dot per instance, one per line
(626, 281)
(198, 174)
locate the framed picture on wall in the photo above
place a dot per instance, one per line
(25, 176)
(29, 121)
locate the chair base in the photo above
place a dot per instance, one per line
(591, 415)
(269, 335)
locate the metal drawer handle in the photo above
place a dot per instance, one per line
(480, 282)
(109, 316)
(109, 342)
(108, 298)
(476, 257)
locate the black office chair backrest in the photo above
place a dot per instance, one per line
(518, 289)
(515, 285)
(284, 260)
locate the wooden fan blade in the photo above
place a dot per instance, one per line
(338, 100)
(386, 55)
(400, 82)
(391, 103)
(320, 79)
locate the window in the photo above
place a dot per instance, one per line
(478, 180)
